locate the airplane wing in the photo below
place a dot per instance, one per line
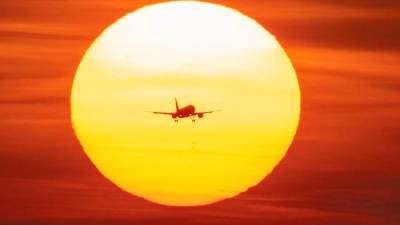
(164, 113)
(197, 113)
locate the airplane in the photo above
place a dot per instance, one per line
(187, 111)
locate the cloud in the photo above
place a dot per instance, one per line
(350, 78)
(368, 4)
(342, 167)
(337, 24)
(51, 100)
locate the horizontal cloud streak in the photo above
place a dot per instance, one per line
(332, 24)
(342, 167)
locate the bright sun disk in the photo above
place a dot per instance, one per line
(204, 54)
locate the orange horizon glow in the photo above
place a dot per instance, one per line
(341, 168)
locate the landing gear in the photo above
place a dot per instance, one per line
(193, 118)
(176, 120)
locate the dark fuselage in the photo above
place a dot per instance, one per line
(184, 112)
(188, 111)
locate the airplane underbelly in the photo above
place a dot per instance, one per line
(186, 112)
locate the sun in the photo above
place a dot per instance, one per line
(203, 54)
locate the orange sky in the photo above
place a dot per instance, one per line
(342, 167)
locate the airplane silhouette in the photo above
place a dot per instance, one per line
(187, 111)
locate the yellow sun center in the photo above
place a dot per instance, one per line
(205, 55)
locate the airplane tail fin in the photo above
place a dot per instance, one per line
(176, 104)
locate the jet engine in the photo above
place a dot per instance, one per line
(200, 115)
(173, 116)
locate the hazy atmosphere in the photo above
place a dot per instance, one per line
(341, 168)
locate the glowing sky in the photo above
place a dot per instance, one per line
(342, 167)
